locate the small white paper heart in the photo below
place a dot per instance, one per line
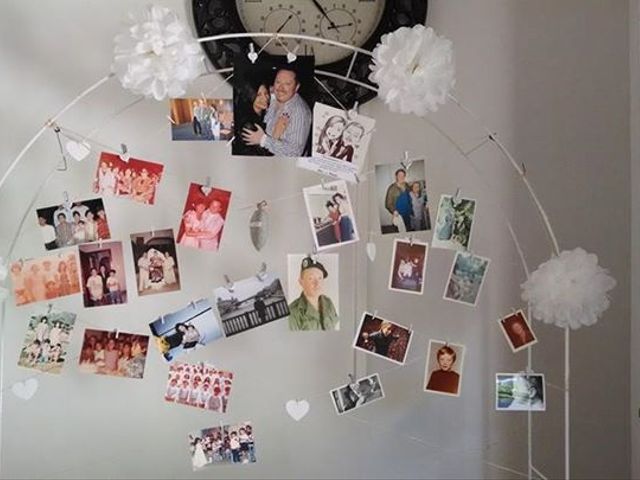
(253, 56)
(291, 57)
(25, 390)
(297, 409)
(78, 151)
(371, 251)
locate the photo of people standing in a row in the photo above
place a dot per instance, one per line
(134, 179)
(155, 262)
(103, 276)
(226, 444)
(199, 385)
(114, 353)
(201, 119)
(73, 223)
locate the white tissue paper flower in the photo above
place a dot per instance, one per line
(414, 70)
(569, 290)
(157, 55)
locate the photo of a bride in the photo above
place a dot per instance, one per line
(156, 263)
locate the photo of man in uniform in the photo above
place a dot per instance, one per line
(313, 310)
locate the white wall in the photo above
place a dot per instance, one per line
(552, 78)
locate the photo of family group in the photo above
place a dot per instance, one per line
(155, 262)
(250, 303)
(103, 275)
(73, 223)
(383, 338)
(208, 119)
(112, 353)
(199, 385)
(134, 179)
(45, 278)
(203, 217)
(46, 342)
(357, 393)
(402, 197)
(408, 265)
(272, 104)
(185, 330)
(454, 223)
(222, 445)
(466, 278)
(517, 331)
(443, 370)
(330, 214)
(520, 392)
(340, 143)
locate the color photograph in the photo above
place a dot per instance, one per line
(383, 338)
(466, 278)
(357, 394)
(222, 445)
(454, 223)
(155, 262)
(520, 392)
(443, 370)
(208, 119)
(408, 266)
(199, 385)
(103, 275)
(517, 331)
(114, 353)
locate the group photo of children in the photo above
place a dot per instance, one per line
(199, 385)
(114, 353)
(45, 278)
(227, 444)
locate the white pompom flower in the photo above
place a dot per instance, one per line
(414, 69)
(569, 290)
(157, 55)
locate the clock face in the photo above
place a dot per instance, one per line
(349, 21)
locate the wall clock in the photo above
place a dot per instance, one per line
(355, 22)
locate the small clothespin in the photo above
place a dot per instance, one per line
(193, 304)
(455, 198)
(252, 55)
(411, 240)
(314, 253)
(351, 377)
(65, 199)
(162, 319)
(406, 162)
(117, 332)
(230, 141)
(291, 55)
(124, 153)
(353, 112)
(524, 169)
(375, 315)
(262, 272)
(229, 285)
(49, 307)
(153, 232)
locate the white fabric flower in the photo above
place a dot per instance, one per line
(157, 55)
(569, 290)
(414, 70)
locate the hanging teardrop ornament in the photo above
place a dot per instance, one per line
(259, 225)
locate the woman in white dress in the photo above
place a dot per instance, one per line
(169, 272)
(192, 220)
(143, 272)
(199, 458)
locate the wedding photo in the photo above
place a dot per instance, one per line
(208, 119)
(103, 274)
(155, 262)
(222, 445)
(133, 179)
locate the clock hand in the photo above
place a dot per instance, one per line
(285, 22)
(350, 24)
(319, 7)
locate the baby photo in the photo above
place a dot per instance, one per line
(134, 179)
(73, 223)
(443, 371)
(208, 119)
(517, 331)
(383, 338)
(183, 331)
(155, 262)
(408, 265)
(114, 353)
(222, 445)
(357, 394)
(520, 392)
(466, 278)
(103, 275)
(251, 303)
(330, 214)
(47, 340)
(454, 223)
(199, 385)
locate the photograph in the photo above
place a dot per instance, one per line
(330, 214)
(517, 331)
(186, 330)
(103, 275)
(73, 223)
(520, 392)
(443, 370)
(250, 303)
(222, 445)
(408, 266)
(45, 278)
(383, 338)
(134, 179)
(468, 272)
(209, 119)
(47, 340)
(272, 106)
(357, 394)
(453, 223)
(114, 353)
(402, 200)
(203, 217)
(199, 385)
(314, 290)
(155, 262)
(340, 143)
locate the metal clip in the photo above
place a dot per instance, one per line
(252, 55)
(354, 111)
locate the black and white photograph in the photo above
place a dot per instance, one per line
(222, 445)
(155, 262)
(340, 143)
(186, 330)
(408, 266)
(251, 303)
(74, 223)
(520, 392)
(272, 106)
(443, 369)
(383, 338)
(357, 393)
(454, 223)
(401, 197)
(330, 214)
(201, 119)
(466, 278)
